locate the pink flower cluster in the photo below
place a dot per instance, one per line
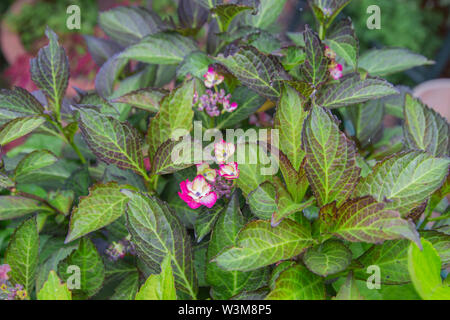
(212, 100)
(211, 184)
(334, 68)
(7, 290)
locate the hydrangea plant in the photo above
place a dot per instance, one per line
(218, 159)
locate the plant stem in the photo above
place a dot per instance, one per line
(322, 32)
(34, 197)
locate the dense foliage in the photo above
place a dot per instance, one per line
(322, 196)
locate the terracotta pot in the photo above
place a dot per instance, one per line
(435, 94)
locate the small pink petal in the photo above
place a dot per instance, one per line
(209, 200)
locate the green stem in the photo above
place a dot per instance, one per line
(322, 32)
(58, 125)
(34, 197)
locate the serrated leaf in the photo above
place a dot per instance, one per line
(367, 121)
(330, 158)
(159, 286)
(156, 232)
(298, 283)
(349, 290)
(366, 220)
(267, 14)
(127, 288)
(19, 127)
(173, 156)
(226, 284)
(53, 289)
(260, 72)
(262, 200)
(392, 259)
(92, 270)
(12, 207)
(315, 68)
(101, 49)
(18, 103)
(382, 62)
(441, 242)
(104, 204)
(195, 64)
(289, 120)
(174, 118)
(293, 56)
(425, 129)
(296, 181)
(160, 48)
(327, 10)
(205, 222)
(33, 161)
(425, 270)
(404, 180)
(343, 41)
(248, 103)
(22, 254)
(5, 181)
(114, 142)
(127, 25)
(227, 12)
(193, 14)
(328, 258)
(351, 89)
(147, 99)
(259, 244)
(50, 70)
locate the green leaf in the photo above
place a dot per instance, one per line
(92, 270)
(104, 204)
(50, 70)
(174, 118)
(405, 180)
(441, 242)
(12, 207)
(292, 57)
(260, 72)
(327, 10)
(349, 290)
(367, 121)
(227, 12)
(254, 168)
(159, 286)
(298, 283)
(5, 181)
(262, 200)
(366, 220)
(195, 64)
(205, 222)
(173, 156)
(19, 127)
(425, 129)
(226, 284)
(328, 258)
(425, 270)
(147, 99)
(160, 48)
(267, 14)
(34, 161)
(53, 289)
(289, 120)
(156, 232)
(330, 158)
(315, 69)
(112, 141)
(392, 259)
(259, 244)
(343, 41)
(351, 89)
(18, 103)
(248, 103)
(296, 181)
(382, 62)
(22, 254)
(127, 288)
(127, 25)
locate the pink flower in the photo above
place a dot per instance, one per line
(197, 193)
(212, 78)
(229, 171)
(223, 151)
(330, 53)
(336, 70)
(204, 170)
(229, 107)
(4, 269)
